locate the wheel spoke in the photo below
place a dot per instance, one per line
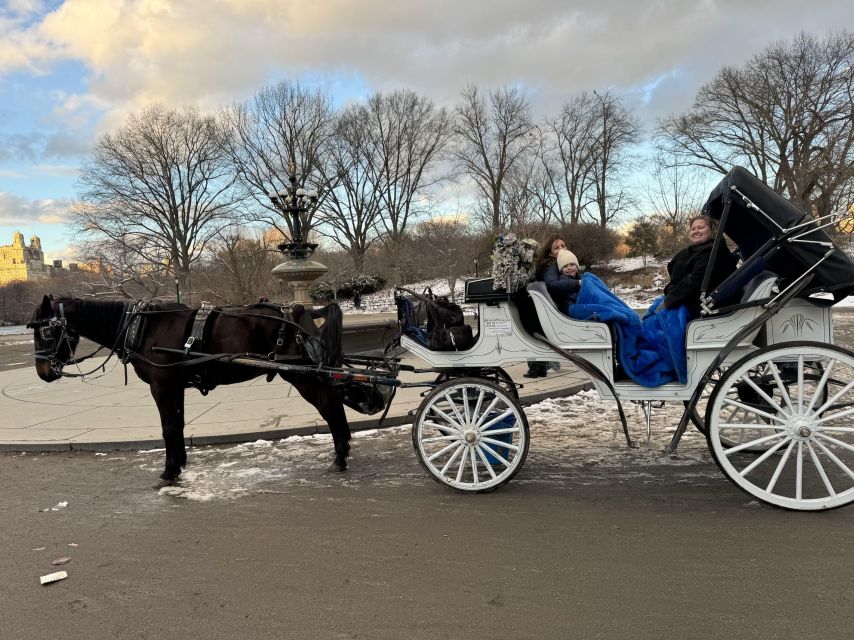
(474, 466)
(765, 396)
(835, 416)
(450, 461)
(752, 443)
(494, 454)
(799, 472)
(447, 418)
(485, 462)
(763, 457)
(839, 429)
(444, 450)
(780, 466)
(444, 428)
(741, 426)
(463, 459)
(835, 397)
(456, 411)
(820, 386)
(836, 460)
(784, 393)
(820, 470)
(498, 432)
(500, 444)
(487, 412)
(452, 436)
(499, 418)
(838, 443)
(475, 416)
(753, 410)
(800, 384)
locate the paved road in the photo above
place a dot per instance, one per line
(261, 542)
(590, 540)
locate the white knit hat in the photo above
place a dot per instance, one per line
(565, 257)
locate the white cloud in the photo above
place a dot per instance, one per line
(16, 210)
(208, 53)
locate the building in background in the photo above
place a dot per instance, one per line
(21, 262)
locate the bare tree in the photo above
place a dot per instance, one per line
(238, 271)
(571, 157)
(786, 115)
(674, 192)
(350, 211)
(616, 129)
(406, 134)
(123, 266)
(284, 127)
(446, 248)
(159, 186)
(493, 134)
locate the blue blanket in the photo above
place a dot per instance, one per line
(650, 350)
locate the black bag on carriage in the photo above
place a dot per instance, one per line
(446, 327)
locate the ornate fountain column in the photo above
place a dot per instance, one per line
(299, 271)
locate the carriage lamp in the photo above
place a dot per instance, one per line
(293, 202)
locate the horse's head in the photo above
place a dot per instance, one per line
(54, 340)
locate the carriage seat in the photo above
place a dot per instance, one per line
(563, 331)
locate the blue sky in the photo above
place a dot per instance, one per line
(71, 70)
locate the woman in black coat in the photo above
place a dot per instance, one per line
(688, 267)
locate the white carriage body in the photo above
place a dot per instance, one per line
(503, 340)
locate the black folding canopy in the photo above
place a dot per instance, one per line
(773, 234)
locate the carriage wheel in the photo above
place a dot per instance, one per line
(806, 427)
(471, 435)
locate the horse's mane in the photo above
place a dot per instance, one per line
(96, 312)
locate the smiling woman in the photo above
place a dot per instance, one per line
(688, 267)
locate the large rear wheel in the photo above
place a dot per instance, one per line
(774, 401)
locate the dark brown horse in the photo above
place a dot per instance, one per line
(269, 332)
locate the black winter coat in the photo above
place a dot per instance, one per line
(686, 271)
(563, 289)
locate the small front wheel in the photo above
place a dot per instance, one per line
(470, 435)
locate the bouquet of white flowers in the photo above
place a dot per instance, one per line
(512, 262)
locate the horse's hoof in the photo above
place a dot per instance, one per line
(338, 465)
(165, 483)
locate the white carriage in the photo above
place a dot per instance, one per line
(766, 384)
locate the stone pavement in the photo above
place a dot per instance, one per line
(103, 413)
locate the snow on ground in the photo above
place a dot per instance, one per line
(630, 264)
(574, 441)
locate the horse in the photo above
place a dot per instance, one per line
(159, 348)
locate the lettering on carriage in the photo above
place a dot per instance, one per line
(494, 327)
(797, 322)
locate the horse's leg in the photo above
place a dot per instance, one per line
(170, 404)
(331, 409)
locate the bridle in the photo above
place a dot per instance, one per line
(55, 332)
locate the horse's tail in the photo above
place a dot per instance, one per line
(330, 335)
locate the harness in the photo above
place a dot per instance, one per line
(55, 331)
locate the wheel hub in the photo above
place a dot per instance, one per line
(800, 429)
(471, 437)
